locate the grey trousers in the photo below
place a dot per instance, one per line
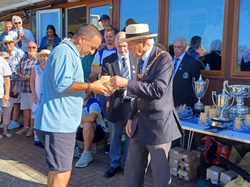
(137, 162)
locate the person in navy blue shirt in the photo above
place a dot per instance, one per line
(51, 40)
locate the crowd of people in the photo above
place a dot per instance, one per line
(78, 87)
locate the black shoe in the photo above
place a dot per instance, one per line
(38, 144)
(111, 172)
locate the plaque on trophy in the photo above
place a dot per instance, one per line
(200, 88)
(239, 92)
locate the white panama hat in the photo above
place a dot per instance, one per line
(44, 52)
(8, 38)
(137, 32)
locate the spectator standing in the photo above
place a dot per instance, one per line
(15, 57)
(60, 110)
(153, 122)
(36, 84)
(20, 34)
(5, 73)
(105, 21)
(51, 40)
(213, 59)
(24, 72)
(8, 27)
(119, 104)
(185, 68)
(96, 67)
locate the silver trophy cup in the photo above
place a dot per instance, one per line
(239, 92)
(200, 88)
(221, 101)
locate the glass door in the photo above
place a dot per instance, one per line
(45, 18)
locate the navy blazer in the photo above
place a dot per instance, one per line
(114, 107)
(153, 112)
(182, 87)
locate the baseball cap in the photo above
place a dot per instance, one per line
(104, 16)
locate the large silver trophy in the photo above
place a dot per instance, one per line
(239, 92)
(200, 88)
(221, 101)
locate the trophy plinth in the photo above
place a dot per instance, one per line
(239, 92)
(221, 101)
(200, 88)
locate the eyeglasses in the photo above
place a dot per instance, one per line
(17, 23)
(31, 47)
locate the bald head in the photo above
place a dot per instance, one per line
(122, 47)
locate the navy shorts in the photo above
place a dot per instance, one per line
(59, 149)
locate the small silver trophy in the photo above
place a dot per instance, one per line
(239, 92)
(221, 101)
(200, 88)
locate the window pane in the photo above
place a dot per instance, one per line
(243, 37)
(201, 18)
(75, 18)
(96, 13)
(141, 11)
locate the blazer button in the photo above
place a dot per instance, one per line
(139, 99)
(138, 111)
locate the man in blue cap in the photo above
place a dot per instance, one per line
(105, 20)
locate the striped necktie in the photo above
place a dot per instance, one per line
(124, 69)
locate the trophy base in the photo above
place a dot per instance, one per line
(218, 124)
(242, 110)
(222, 120)
(199, 107)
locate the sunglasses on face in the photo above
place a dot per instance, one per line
(17, 23)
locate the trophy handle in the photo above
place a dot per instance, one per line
(225, 86)
(214, 95)
(193, 80)
(207, 83)
(231, 103)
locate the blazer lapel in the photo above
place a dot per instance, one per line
(152, 56)
(116, 68)
(133, 69)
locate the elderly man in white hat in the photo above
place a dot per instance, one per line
(15, 55)
(153, 122)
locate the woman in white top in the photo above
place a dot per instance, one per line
(36, 83)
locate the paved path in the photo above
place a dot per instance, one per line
(23, 165)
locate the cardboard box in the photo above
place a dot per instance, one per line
(213, 173)
(227, 176)
(245, 162)
(188, 166)
(175, 151)
(235, 156)
(173, 171)
(173, 162)
(186, 175)
(187, 156)
(199, 156)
